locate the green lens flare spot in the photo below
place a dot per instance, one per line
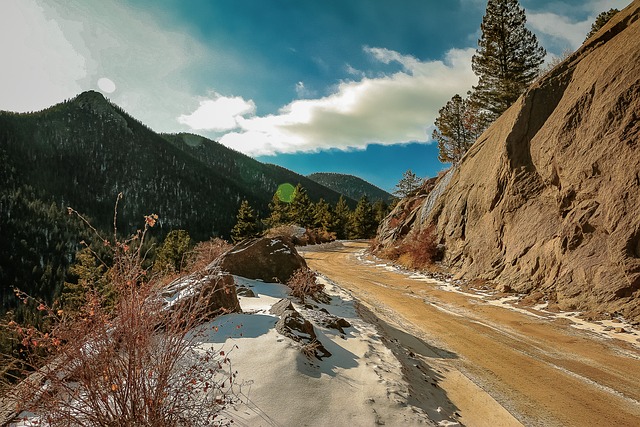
(285, 192)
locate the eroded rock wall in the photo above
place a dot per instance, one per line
(549, 197)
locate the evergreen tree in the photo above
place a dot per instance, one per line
(341, 219)
(601, 19)
(380, 211)
(508, 57)
(280, 212)
(322, 216)
(458, 126)
(86, 274)
(407, 184)
(246, 224)
(301, 207)
(363, 220)
(171, 255)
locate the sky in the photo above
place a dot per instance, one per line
(349, 86)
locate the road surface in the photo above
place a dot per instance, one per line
(498, 366)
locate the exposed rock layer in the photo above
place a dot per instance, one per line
(547, 199)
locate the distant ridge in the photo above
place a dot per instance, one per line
(351, 186)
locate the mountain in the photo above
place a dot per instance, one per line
(83, 152)
(546, 201)
(250, 173)
(351, 186)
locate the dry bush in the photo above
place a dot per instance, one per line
(204, 253)
(303, 283)
(139, 365)
(294, 233)
(421, 248)
(318, 235)
(417, 251)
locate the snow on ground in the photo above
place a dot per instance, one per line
(360, 384)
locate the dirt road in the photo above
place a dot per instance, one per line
(499, 366)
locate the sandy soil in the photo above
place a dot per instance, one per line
(498, 366)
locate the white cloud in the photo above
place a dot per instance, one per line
(218, 114)
(393, 109)
(40, 66)
(567, 33)
(559, 32)
(59, 48)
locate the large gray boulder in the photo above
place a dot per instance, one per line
(270, 259)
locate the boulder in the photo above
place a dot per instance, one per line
(208, 295)
(546, 199)
(294, 326)
(270, 259)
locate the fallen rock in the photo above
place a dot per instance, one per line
(270, 259)
(208, 296)
(294, 326)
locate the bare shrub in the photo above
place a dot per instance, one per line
(295, 233)
(417, 251)
(303, 283)
(138, 365)
(421, 248)
(204, 253)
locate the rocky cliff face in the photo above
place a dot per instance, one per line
(548, 199)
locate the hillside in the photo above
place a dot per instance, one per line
(351, 186)
(82, 153)
(546, 200)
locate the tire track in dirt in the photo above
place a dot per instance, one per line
(544, 372)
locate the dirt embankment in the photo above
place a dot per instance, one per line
(498, 366)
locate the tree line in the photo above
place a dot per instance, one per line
(337, 220)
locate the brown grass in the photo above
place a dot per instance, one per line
(204, 253)
(303, 283)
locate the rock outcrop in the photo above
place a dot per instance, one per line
(294, 326)
(270, 259)
(206, 296)
(547, 198)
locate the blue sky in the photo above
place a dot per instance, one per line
(349, 86)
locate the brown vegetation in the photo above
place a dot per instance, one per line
(303, 283)
(139, 364)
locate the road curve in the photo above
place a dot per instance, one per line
(542, 372)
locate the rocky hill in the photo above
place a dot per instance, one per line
(546, 201)
(351, 186)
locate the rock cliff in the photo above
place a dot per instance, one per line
(548, 197)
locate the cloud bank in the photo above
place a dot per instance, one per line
(391, 109)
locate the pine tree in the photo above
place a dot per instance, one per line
(171, 255)
(86, 274)
(301, 207)
(508, 57)
(601, 19)
(380, 211)
(322, 215)
(246, 223)
(279, 212)
(407, 184)
(363, 220)
(341, 219)
(458, 126)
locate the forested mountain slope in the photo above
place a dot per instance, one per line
(351, 186)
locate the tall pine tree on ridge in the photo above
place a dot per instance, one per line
(508, 57)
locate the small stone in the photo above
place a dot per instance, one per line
(620, 330)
